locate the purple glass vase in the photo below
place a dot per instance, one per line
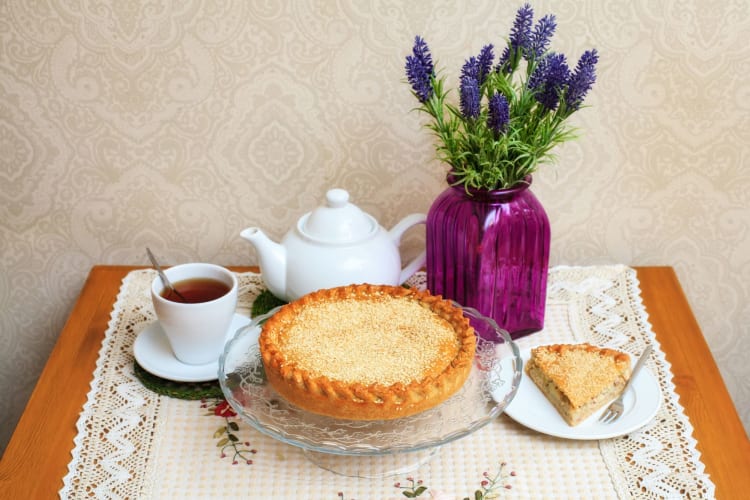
(490, 250)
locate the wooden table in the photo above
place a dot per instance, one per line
(38, 453)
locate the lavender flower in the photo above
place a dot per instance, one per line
(502, 63)
(582, 79)
(499, 113)
(540, 38)
(470, 97)
(549, 79)
(520, 36)
(485, 62)
(420, 70)
(470, 69)
(478, 67)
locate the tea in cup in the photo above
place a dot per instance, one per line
(197, 320)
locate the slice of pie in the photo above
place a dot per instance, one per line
(578, 379)
(367, 352)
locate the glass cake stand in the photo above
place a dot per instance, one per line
(383, 447)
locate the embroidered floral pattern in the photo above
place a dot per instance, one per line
(228, 441)
(490, 487)
(413, 489)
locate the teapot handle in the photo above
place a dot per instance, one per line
(413, 266)
(397, 232)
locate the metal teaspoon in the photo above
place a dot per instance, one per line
(163, 276)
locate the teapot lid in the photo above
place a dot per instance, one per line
(338, 221)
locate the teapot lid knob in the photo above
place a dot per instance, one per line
(338, 221)
(337, 198)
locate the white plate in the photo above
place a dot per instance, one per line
(153, 352)
(532, 409)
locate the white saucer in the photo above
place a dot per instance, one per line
(153, 352)
(532, 409)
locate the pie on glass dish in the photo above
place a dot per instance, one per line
(367, 352)
(578, 379)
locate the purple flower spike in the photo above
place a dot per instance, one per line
(485, 59)
(470, 105)
(499, 113)
(479, 67)
(504, 58)
(420, 69)
(540, 38)
(582, 79)
(536, 80)
(549, 79)
(520, 34)
(470, 69)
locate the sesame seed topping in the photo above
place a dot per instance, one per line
(380, 340)
(581, 372)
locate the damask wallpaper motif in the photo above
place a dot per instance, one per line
(176, 124)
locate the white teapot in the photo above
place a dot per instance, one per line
(334, 245)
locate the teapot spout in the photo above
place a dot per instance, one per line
(272, 260)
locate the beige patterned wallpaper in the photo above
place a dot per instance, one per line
(176, 124)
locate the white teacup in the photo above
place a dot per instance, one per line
(196, 331)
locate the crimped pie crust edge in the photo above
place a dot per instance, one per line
(357, 401)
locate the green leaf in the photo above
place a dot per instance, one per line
(478, 495)
(220, 432)
(420, 490)
(222, 442)
(264, 302)
(234, 426)
(233, 438)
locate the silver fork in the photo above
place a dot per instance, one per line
(615, 409)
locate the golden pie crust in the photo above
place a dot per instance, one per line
(367, 352)
(578, 379)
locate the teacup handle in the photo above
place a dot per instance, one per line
(397, 232)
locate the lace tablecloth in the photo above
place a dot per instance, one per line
(133, 443)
